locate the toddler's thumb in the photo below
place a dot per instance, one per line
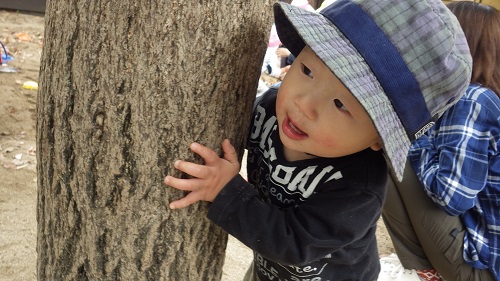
(229, 151)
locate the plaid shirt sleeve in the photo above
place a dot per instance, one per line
(452, 159)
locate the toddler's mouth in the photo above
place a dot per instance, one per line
(292, 131)
(296, 129)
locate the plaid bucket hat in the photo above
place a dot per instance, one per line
(406, 61)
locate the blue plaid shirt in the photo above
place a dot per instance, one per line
(459, 165)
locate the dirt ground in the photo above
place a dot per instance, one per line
(22, 35)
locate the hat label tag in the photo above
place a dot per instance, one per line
(424, 129)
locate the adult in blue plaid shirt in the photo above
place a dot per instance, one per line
(458, 164)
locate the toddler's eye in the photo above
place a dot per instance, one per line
(307, 71)
(340, 105)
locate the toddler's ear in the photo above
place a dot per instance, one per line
(376, 146)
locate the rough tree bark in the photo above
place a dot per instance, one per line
(125, 86)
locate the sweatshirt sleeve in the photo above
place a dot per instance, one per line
(330, 220)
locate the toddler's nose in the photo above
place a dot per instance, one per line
(307, 105)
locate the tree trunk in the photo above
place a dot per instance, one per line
(125, 86)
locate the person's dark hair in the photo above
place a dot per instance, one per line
(481, 25)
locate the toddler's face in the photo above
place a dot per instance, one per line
(318, 115)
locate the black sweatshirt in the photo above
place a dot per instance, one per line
(312, 219)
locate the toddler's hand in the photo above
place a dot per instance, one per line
(209, 179)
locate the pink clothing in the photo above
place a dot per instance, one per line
(274, 40)
(304, 4)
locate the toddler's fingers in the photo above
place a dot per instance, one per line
(229, 152)
(189, 199)
(183, 184)
(206, 153)
(193, 169)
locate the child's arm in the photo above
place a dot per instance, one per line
(208, 179)
(338, 219)
(336, 216)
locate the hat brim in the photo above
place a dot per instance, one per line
(297, 27)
